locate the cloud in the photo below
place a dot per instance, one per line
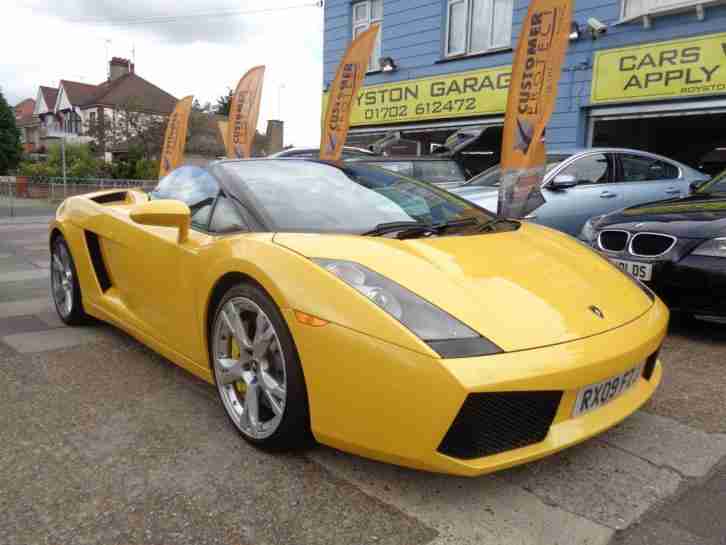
(201, 55)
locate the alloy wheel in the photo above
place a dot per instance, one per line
(249, 367)
(62, 279)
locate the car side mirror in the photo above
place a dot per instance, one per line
(697, 184)
(563, 181)
(164, 213)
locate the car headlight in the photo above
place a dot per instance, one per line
(444, 334)
(716, 247)
(588, 230)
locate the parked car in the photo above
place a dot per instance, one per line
(677, 247)
(441, 171)
(582, 183)
(349, 152)
(378, 314)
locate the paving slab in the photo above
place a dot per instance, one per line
(26, 307)
(54, 339)
(28, 274)
(465, 511)
(599, 482)
(51, 319)
(22, 290)
(662, 533)
(702, 510)
(21, 324)
(15, 265)
(667, 443)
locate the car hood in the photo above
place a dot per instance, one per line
(486, 197)
(521, 289)
(697, 216)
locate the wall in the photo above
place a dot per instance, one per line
(413, 34)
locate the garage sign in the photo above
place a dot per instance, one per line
(676, 69)
(476, 92)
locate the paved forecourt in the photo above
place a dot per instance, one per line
(104, 441)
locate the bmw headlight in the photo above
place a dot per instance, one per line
(716, 247)
(446, 335)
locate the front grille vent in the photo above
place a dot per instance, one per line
(651, 244)
(489, 423)
(613, 241)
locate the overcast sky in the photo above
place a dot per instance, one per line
(182, 49)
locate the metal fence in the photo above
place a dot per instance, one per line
(25, 192)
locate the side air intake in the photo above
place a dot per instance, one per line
(115, 197)
(99, 267)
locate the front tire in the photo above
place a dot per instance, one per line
(257, 370)
(64, 286)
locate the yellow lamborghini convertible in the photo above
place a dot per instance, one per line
(374, 313)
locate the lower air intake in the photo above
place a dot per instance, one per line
(490, 423)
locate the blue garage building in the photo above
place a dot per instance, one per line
(648, 74)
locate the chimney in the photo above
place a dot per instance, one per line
(275, 132)
(120, 67)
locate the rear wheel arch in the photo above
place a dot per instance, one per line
(54, 234)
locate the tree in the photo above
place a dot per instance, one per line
(10, 149)
(223, 104)
(129, 127)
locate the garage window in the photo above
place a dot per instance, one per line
(638, 168)
(476, 26)
(635, 8)
(364, 15)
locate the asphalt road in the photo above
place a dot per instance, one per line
(104, 442)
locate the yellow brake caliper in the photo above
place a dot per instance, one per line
(235, 353)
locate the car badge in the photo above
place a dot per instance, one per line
(638, 225)
(597, 312)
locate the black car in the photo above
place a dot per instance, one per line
(677, 247)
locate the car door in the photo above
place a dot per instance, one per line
(160, 271)
(646, 179)
(594, 194)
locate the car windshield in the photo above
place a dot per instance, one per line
(716, 185)
(490, 177)
(308, 196)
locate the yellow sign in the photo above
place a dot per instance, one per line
(477, 92)
(676, 69)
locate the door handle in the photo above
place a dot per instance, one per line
(673, 191)
(607, 195)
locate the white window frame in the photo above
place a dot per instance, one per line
(374, 61)
(469, 21)
(675, 6)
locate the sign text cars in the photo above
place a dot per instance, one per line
(674, 69)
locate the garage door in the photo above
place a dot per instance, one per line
(691, 132)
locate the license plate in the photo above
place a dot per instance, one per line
(596, 395)
(641, 271)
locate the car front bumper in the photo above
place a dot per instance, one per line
(381, 401)
(695, 284)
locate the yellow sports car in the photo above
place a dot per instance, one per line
(380, 315)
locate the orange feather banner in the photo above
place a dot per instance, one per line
(175, 137)
(243, 114)
(531, 100)
(348, 80)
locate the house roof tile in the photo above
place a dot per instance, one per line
(78, 93)
(49, 95)
(132, 88)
